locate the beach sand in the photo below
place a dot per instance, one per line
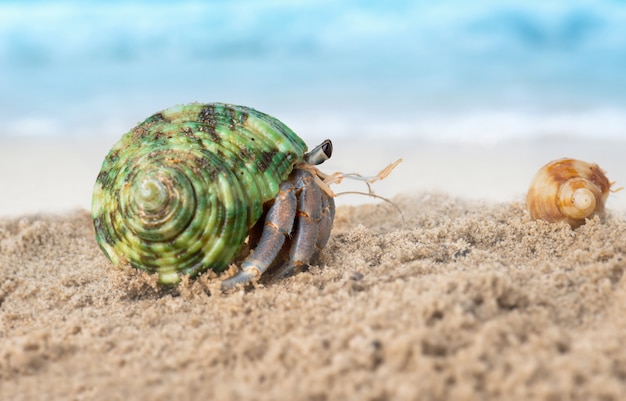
(467, 299)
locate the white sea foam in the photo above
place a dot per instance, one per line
(483, 127)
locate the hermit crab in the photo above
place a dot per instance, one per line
(568, 190)
(183, 191)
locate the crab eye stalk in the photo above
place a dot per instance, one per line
(320, 153)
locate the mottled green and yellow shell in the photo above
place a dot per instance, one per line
(180, 191)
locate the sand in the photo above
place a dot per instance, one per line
(465, 300)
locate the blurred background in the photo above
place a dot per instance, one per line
(449, 72)
(402, 68)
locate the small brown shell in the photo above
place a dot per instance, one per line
(568, 189)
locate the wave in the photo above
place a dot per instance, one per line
(63, 64)
(480, 127)
(36, 33)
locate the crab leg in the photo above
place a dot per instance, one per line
(307, 230)
(325, 224)
(278, 225)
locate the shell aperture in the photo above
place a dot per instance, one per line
(179, 192)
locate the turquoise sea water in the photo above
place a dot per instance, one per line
(451, 70)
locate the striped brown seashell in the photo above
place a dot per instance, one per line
(568, 190)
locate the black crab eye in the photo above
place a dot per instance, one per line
(327, 147)
(320, 153)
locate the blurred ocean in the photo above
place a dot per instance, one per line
(479, 71)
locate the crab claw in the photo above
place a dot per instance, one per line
(241, 278)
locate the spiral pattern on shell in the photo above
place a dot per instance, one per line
(179, 192)
(568, 189)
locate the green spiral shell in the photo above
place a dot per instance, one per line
(180, 191)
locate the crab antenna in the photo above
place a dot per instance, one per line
(373, 195)
(336, 178)
(320, 153)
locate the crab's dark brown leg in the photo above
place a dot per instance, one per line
(314, 221)
(278, 225)
(326, 223)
